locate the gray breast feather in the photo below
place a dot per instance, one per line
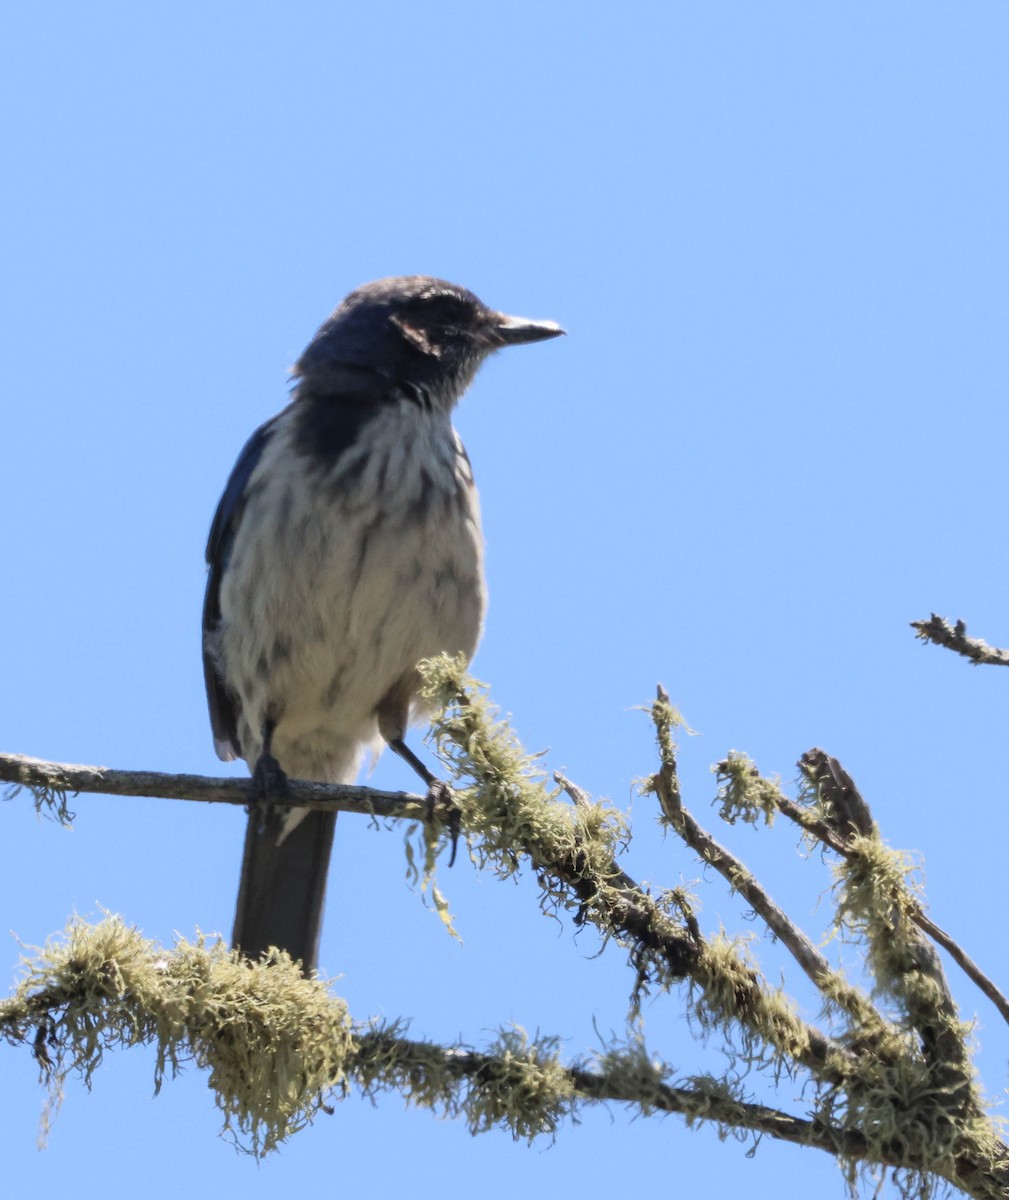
(341, 579)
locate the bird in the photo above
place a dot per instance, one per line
(345, 549)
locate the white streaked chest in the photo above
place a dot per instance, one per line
(342, 577)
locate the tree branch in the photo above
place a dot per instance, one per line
(954, 637)
(751, 1005)
(963, 961)
(105, 986)
(279, 1048)
(877, 900)
(277, 1045)
(815, 966)
(850, 814)
(57, 777)
(615, 901)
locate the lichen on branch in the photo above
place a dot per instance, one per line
(886, 1077)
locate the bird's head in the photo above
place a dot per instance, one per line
(413, 329)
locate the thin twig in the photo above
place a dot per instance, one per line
(954, 637)
(823, 1053)
(23, 771)
(963, 961)
(812, 962)
(578, 796)
(756, 1117)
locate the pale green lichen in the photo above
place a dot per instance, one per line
(507, 808)
(517, 1083)
(50, 800)
(743, 793)
(278, 1048)
(274, 1043)
(760, 1023)
(666, 719)
(877, 897)
(524, 1087)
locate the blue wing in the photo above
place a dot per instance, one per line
(221, 701)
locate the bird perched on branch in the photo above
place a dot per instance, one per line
(346, 548)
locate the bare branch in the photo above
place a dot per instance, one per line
(954, 637)
(22, 771)
(578, 796)
(963, 961)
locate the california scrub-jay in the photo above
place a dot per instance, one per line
(346, 548)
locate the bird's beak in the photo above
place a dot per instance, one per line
(516, 331)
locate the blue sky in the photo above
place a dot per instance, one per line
(774, 436)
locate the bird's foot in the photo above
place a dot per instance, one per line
(269, 779)
(439, 794)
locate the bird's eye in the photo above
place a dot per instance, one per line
(446, 310)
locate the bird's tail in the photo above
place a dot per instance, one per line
(283, 885)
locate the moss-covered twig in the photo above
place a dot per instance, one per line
(279, 1048)
(919, 1096)
(764, 1014)
(508, 813)
(877, 902)
(954, 637)
(739, 783)
(731, 990)
(889, 1092)
(841, 816)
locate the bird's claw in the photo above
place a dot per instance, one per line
(440, 794)
(269, 778)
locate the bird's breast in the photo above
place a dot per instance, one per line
(344, 575)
